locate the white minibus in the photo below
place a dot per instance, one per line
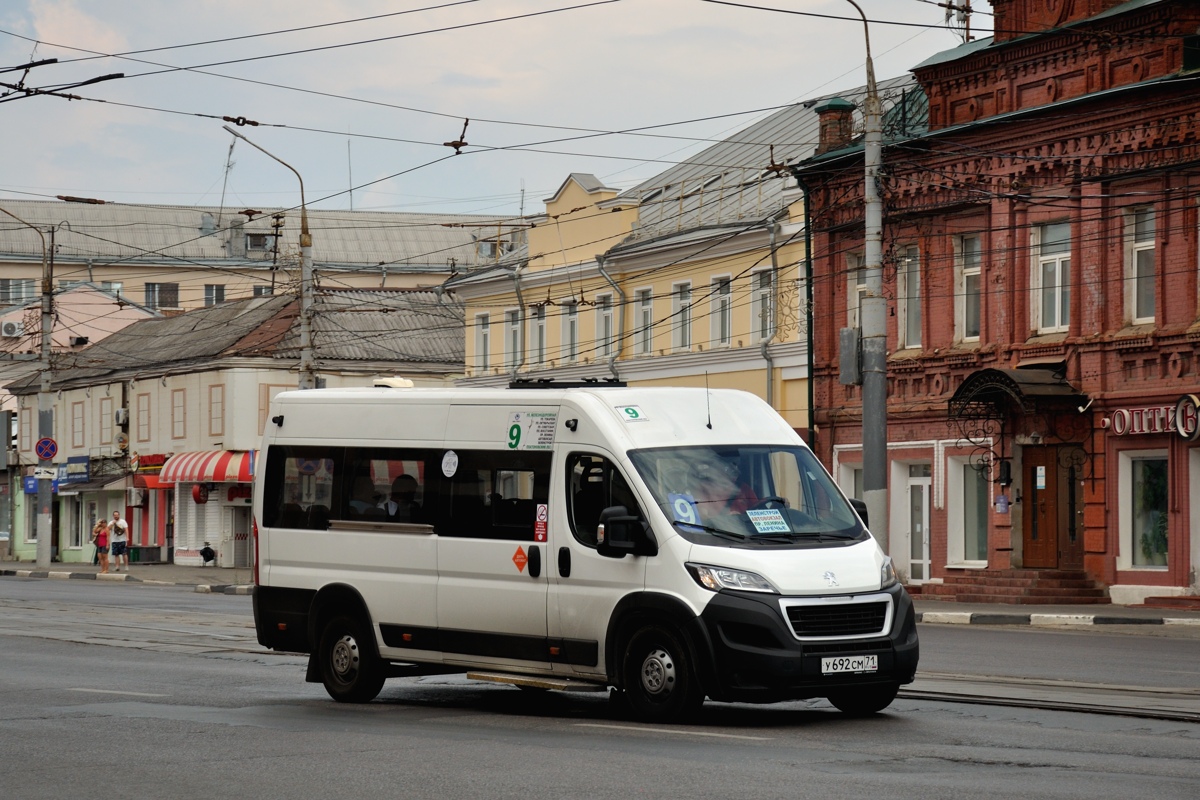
(670, 544)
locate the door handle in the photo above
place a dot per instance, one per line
(564, 562)
(535, 561)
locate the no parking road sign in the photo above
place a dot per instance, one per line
(46, 448)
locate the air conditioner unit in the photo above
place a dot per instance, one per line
(121, 417)
(135, 496)
(11, 330)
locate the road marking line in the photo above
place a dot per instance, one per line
(668, 730)
(113, 691)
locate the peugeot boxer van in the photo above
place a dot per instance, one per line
(670, 544)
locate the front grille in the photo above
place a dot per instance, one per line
(841, 619)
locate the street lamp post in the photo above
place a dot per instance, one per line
(45, 467)
(874, 313)
(308, 376)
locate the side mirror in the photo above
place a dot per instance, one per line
(861, 508)
(619, 533)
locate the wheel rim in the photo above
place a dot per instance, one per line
(658, 673)
(345, 658)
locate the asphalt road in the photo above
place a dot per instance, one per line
(131, 692)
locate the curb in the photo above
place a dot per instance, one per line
(124, 577)
(1044, 620)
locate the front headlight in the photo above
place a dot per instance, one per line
(718, 578)
(887, 574)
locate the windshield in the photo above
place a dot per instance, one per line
(752, 493)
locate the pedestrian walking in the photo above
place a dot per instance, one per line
(100, 537)
(118, 530)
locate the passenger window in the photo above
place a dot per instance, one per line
(594, 484)
(385, 485)
(300, 486)
(494, 495)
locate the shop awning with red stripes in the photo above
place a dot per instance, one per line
(209, 466)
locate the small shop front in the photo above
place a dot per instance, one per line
(212, 506)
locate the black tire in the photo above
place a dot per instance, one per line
(660, 684)
(865, 701)
(350, 670)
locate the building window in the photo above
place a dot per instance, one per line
(77, 433)
(259, 241)
(216, 410)
(106, 420)
(1139, 293)
(264, 291)
(722, 312)
(512, 339)
(178, 413)
(856, 289)
(25, 429)
(645, 333)
(604, 325)
(681, 314)
(162, 295)
(762, 305)
(976, 502)
(1148, 502)
(539, 335)
(214, 293)
(14, 291)
(571, 331)
(1052, 288)
(483, 342)
(143, 418)
(968, 300)
(910, 294)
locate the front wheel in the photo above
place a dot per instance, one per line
(349, 668)
(660, 684)
(865, 701)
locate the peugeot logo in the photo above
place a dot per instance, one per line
(829, 576)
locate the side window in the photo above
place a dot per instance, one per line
(492, 494)
(300, 486)
(594, 484)
(384, 485)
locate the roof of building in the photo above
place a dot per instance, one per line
(415, 329)
(732, 181)
(179, 235)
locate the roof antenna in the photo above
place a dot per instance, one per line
(708, 399)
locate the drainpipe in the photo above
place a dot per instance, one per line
(612, 361)
(520, 362)
(766, 354)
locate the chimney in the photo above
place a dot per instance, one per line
(837, 124)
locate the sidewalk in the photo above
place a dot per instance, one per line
(218, 580)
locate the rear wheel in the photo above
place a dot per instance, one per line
(350, 670)
(865, 701)
(660, 683)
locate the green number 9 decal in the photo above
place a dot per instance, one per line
(631, 412)
(514, 436)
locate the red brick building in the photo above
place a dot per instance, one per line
(1040, 264)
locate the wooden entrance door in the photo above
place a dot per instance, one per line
(1052, 516)
(1039, 515)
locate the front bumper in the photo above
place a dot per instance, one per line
(756, 657)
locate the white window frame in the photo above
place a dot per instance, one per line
(956, 513)
(1126, 545)
(1061, 263)
(681, 316)
(216, 409)
(908, 295)
(15, 291)
(483, 342)
(1137, 247)
(645, 324)
(856, 288)
(143, 416)
(214, 294)
(78, 418)
(179, 413)
(762, 305)
(570, 332)
(968, 265)
(721, 292)
(107, 420)
(512, 338)
(604, 326)
(538, 321)
(153, 295)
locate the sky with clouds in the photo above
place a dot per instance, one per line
(365, 92)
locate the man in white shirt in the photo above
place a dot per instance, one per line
(401, 506)
(118, 537)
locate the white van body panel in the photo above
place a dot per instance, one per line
(804, 572)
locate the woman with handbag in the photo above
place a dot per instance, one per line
(100, 537)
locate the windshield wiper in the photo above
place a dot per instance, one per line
(734, 535)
